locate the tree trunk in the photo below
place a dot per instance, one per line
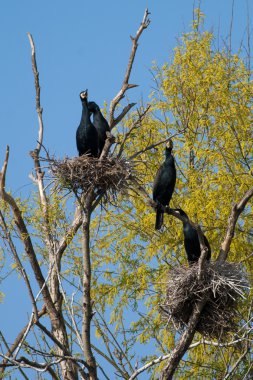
(184, 342)
(87, 304)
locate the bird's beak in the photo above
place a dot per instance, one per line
(84, 94)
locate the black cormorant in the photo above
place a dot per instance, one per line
(86, 134)
(191, 241)
(100, 124)
(164, 184)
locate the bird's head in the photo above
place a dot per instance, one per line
(168, 148)
(93, 107)
(169, 145)
(84, 95)
(181, 212)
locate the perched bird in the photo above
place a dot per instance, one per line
(100, 124)
(164, 184)
(86, 134)
(191, 241)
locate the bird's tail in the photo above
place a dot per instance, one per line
(159, 219)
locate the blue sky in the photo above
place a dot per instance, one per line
(81, 45)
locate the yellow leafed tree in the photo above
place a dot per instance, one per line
(203, 100)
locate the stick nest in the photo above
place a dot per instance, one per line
(109, 175)
(226, 284)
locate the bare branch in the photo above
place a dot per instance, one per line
(71, 313)
(25, 237)
(108, 142)
(37, 89)
(203, 252)
(184, 341)
(66, 353)
(66, 240)
(152, 146)
(193, 345)
(235, 213)
(148, 365)
(35, 154)
(121, 115)
(126, 86)
(218, 344)
(18, 262)
(237, 363)
(110, 338)
(19, 338)
(135, 125)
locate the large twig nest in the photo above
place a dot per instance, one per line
(226, 284)
(111, 174)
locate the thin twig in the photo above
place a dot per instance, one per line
(241, 358)
(20, 336)
(148, 365)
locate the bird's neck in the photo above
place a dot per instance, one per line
(97, 114)
(169, 160)
(85, 112)
(188, 228)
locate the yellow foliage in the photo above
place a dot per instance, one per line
(204, 100)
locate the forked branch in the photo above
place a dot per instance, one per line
(125, 85)
(235, 213)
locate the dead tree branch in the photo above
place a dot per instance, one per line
(19, 264)
(235, 213)
(154, 145)
(135, 125)
(219, 344)
(193, 345)
(122, 114)
(184, 342)
(35, 153)
(25, 237)
(71, 232)
(125, 85)
(109, 141)
(37, 88)
(237, 363)
(148, 365)
(19, 339)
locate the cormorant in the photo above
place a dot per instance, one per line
(191, 241)
(164, 184)
(100, 124)
(86, 134)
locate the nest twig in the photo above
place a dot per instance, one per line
(226, 284)
(109, 175)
